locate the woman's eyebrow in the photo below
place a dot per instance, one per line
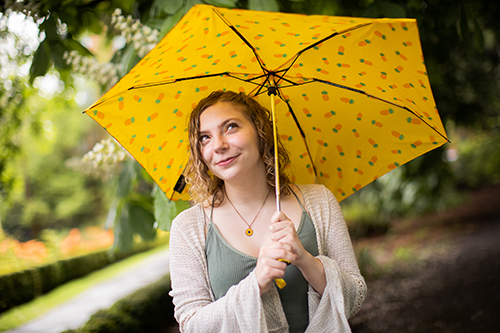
(229, 120)
(222, 124)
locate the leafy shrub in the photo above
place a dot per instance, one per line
(110, 321)
(147, 310)
(79, 266)
(20, 287)
(50, 276)
(16, 288)
(478, 159)
(368, 266)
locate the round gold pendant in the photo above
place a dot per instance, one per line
(249, 232)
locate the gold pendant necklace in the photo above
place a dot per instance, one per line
(249, 231)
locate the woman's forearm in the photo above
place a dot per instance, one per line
(313, 271)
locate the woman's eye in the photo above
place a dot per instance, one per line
(203, 138)
(231, 126)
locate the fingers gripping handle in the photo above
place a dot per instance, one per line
(280, 282)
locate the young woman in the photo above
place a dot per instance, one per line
(227, 250)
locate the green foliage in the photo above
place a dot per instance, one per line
(267, 5)
(41, 61)
(166, 210)
(110, 321)
(45, 193)
(132, 209)
(13, 113)
(139, 207)
(79, 266)
(149, 309)
(222, 3)
(363, 216)
(78, 17)
(478, 162)
(368, 266)
(21, 287)
(385, 9)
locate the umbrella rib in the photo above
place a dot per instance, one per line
(322, 41)
(178, 80)
(249, 45)
(267, 73)
(147, 85)
(412, 112)
(340, 86)
(262, 85)
(331, 36)
(250, 80)
(230, 25)
(301, 133)
(291, 82)
(382, 100)
(282, 77)
(267, 80)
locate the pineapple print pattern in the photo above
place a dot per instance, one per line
(357, 87)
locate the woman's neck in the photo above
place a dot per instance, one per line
(248, 188)
(247, 194)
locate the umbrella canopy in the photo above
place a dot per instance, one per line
(353, 96)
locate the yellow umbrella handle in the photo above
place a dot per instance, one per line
(272, 92)
(280, 283)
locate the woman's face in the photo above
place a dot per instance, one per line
(229, 143)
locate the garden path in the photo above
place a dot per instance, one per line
(77, 311)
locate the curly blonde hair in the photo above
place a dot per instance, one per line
(204, 183)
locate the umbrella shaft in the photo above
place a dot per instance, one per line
(276, 161)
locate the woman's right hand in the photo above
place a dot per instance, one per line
(269, 266)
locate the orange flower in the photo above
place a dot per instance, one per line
(70, 242)
(31, 250)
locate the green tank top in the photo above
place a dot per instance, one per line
(228, 266)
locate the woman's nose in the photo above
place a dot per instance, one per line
(220, 144)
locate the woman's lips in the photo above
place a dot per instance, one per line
(226, 161)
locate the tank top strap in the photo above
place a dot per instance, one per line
(212, 209)
(300, 203)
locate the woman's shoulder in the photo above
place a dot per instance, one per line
(312, 190)
(192, 217)
(317, 195)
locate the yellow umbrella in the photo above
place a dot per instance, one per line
(353, 97)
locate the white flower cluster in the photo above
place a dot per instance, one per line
(28, 8)
(143, 37)
(102, 162)
(106, 74)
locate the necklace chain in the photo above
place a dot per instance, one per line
(249, 231)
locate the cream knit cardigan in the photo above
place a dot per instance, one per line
(242, 309)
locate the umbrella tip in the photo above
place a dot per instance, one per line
(180, 185)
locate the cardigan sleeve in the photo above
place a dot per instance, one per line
(240, 310)
(345, 289)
